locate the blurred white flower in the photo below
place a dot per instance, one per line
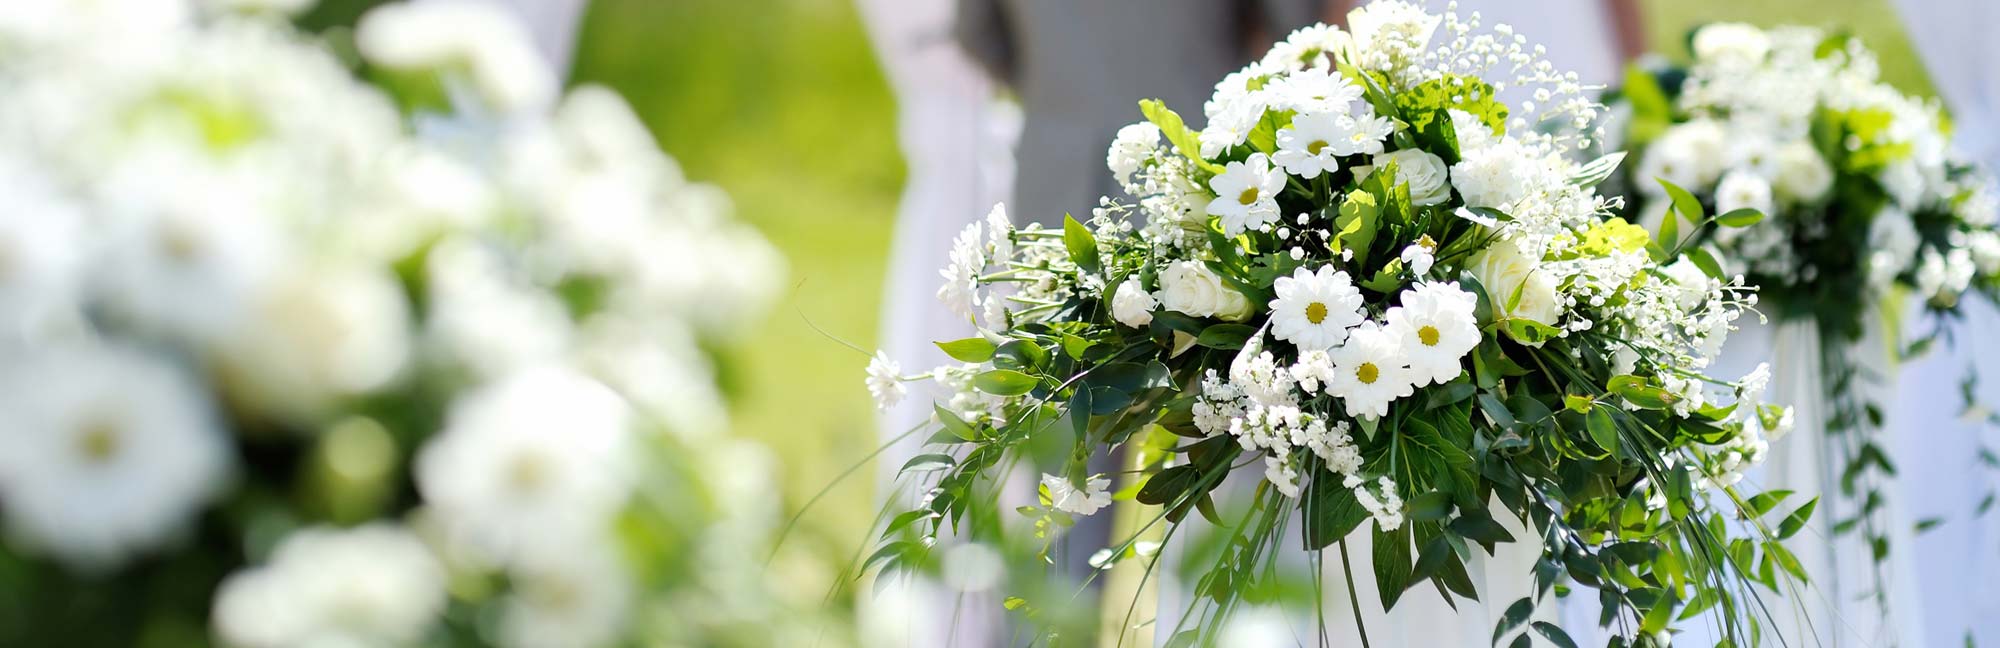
(42, 250)
(105, 451)
(1743, 190)
(315, 335)
(373, 585)
(476, 39)
(1731, 42)
(528, 461)
(576, 598)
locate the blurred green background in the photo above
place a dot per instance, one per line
(781, 103)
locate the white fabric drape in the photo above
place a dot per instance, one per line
(1958, 562)
(955, 139)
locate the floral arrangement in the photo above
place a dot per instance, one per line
(1392, 290)
(290, 360)
(1866, 203)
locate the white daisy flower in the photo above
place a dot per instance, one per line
(1314, 91)
(1436, 325)
(1420, 256)
(1369, 372)
(885, 381)
(1246, 194)
(371, 585)
(535, 457)
(1066, 497)
(1362, 135)
(1305, 149)
(106, 451)
(1315, 309)
(1229, 123)
(961, 275)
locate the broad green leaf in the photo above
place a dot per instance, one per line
(1669, 234)
(1081, 243)
(1434, 505)
(1603, 430)
(1590, 175)
(1684, 202)
(972, 349)
(1554, 634)
(1331, 512)
(956, 426)
(928, 462)
(1005, 382)
(1225, 336)
(1392, 564)
(1709, 266)
(1765, 501)
(1740, 218)
(1515, 615)
(1186, 141)
(1797, 520)
(1167, 486)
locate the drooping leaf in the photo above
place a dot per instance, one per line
(1005, 382)
(1082, 245)
(972, 349)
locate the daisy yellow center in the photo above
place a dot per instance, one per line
(99, 442)
(1428, 335)
(527, 473)
(1315, 147)
(1315, 312)
(1367, 373)
(1249, 196)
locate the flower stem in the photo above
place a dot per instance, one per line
(1353, 600)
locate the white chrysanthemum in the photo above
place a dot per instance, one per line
(490, 47)
(1425, 173)
(481, 321)
(1491, 176)
(1133, 145)
(374, 585)
(1305, 149)
(317, 335)
(1743, 190)
(1230, 120)
(190, 252)
(885, 381)
(575, 598)
(1472, 132)
(1894, 242)
(1436, 327)
(540, 455)
(1246, 194)
(1066, 497)
(1370, 371)
(1315, 309)
(1131, 305)
(960, 291)
(106, 451)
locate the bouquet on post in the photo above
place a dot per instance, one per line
(1392, 290)
(1867, 205)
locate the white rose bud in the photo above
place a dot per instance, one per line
(1503, 269)
(1186, 288)
(1131, 305)
(1423, 172)
(1234, 306)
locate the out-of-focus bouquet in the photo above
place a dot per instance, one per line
(1867, 204)
(287, 360)
(1391, 289)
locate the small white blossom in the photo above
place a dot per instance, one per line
(1066, 497)
(885, 381)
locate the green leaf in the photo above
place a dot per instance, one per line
(1529, 332)
(1709, 266)
(1005, 382)
(1603, 430)
(1578, 404)
(1392, 564)
(1765, 501)
(1684, 202)
(1590, 175)
(1168, 485)
(972, 349)
(1797, 520)
(958, 427)
(1186, 141)
(1434, 505)
(1554, 634)
(928, 462)
(1515, 615)
(1081, 243)
(1225, 336)
(1740, 218)
(1331, 512)
(1669, 232)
